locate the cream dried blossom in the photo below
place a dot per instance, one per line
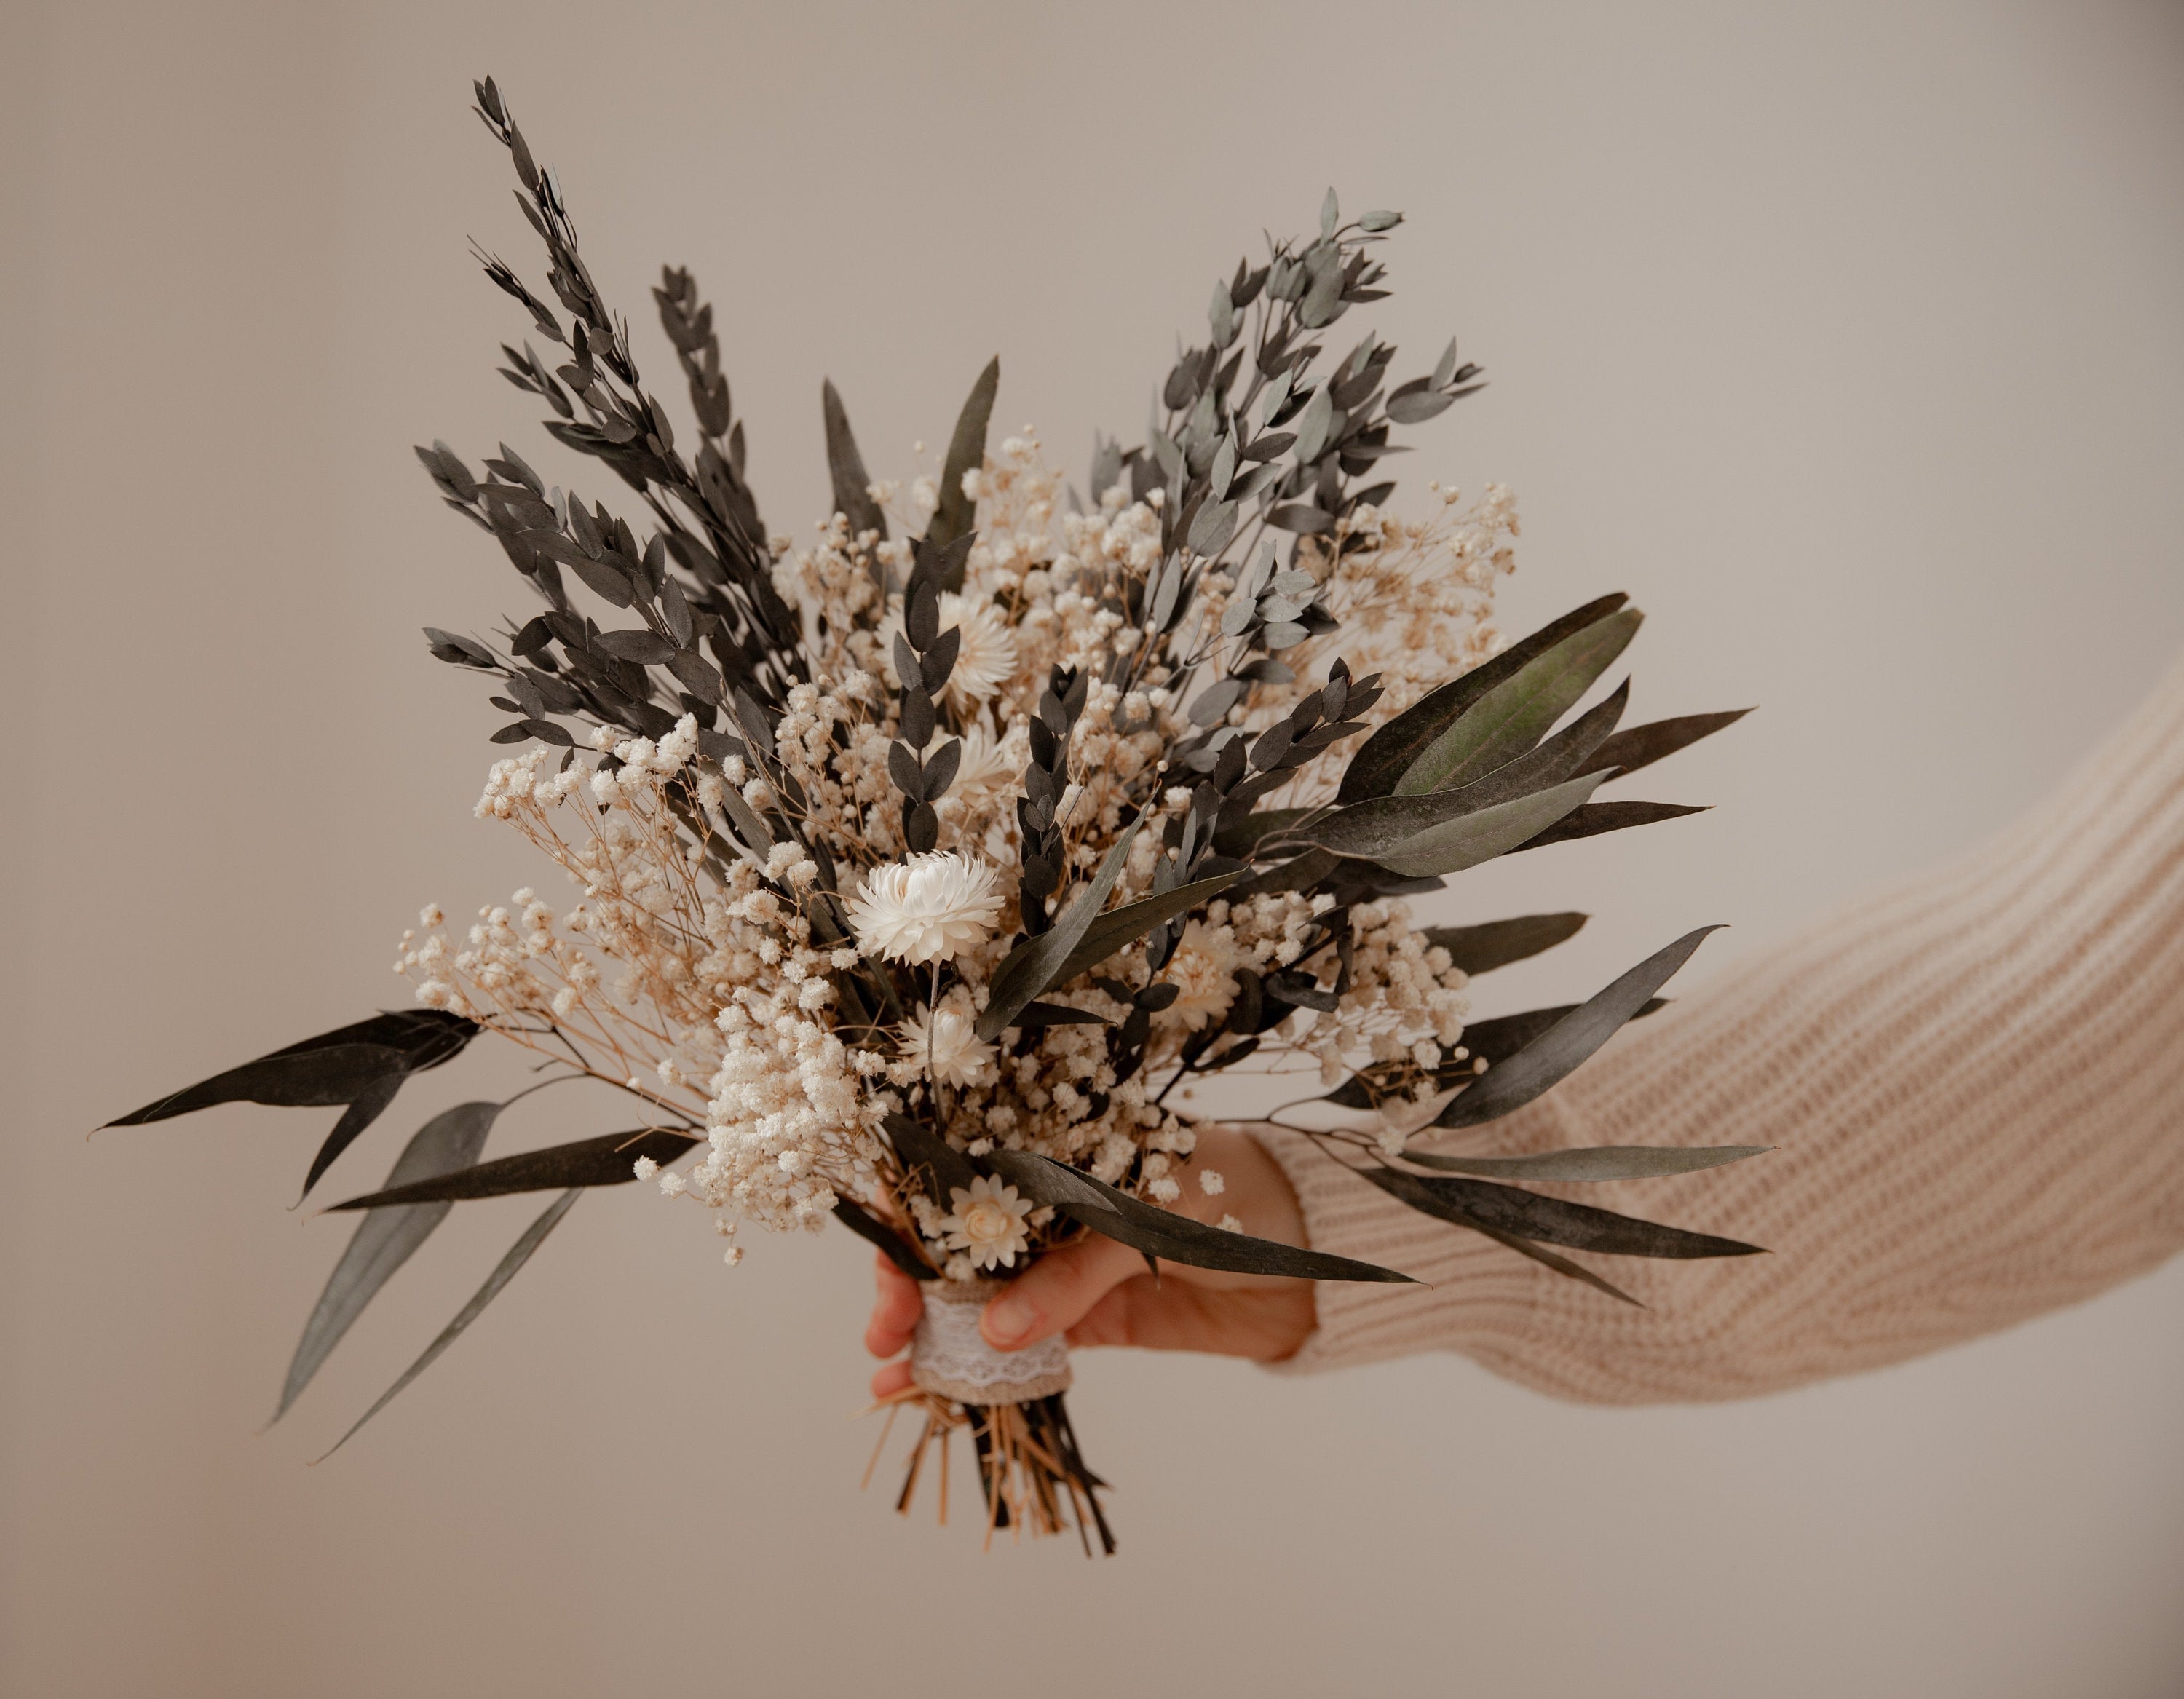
(929, 908)
(986, 659)
(1203, 969)
(943, 1044)
(986, 1222)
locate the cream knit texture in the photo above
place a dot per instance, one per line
(1976, 1084)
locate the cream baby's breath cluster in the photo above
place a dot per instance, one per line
(701, 972)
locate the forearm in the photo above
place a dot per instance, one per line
(1977, 1085)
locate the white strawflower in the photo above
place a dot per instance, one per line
(945, 1044)
(932, 907)
(988, 1223)
(990, 762)
(985, 661)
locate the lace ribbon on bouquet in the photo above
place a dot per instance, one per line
(950, 1358)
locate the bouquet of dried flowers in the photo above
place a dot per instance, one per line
(917, 866)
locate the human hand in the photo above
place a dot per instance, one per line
(1098, 1292)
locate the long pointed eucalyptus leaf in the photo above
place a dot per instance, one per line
(1599, 1162)
(1383, 758)
(873, 1231)
(1490, 945)
(1562, 1265)
(1118, 927)
(918, 1146)
(518, 1254)
(1471, 838)
(1033, 964)
(294, 1080)
(853, 498)
(967, 452)
(609, 1159)
(386, 1238)
(1566, 755)
(1557, 1053)
(368, 1105)
(1640, 746)
(1549, 1221)
(1597, 817)
(1159, 1232)
(1515, 714)
(1493, 1041)
(1379, 823)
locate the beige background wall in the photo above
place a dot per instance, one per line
(1845, 336)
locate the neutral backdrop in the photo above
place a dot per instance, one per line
(1845, 336)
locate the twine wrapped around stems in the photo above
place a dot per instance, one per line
(950, 1358)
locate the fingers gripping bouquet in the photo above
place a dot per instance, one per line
(917, 867)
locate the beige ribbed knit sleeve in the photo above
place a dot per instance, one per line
(1977, 1081)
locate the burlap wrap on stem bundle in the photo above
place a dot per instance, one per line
(950, 1358)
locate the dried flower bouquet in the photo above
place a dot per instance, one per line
(917, 867)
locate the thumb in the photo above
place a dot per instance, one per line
(1056, 1291)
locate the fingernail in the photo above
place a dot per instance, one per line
(1009, 1319)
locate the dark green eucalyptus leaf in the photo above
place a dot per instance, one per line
(873, 1231)
(1562, 1265)
(1158, 1233)
(1491, 1041)
(1032, 967)
(608, 1160)
(1515, 714)
(1416, 409)
(367, 1107)
(460, 651)
(1119, 928)
(967, 452)
(1599, 1162)
(1555, 1053)
(518, 1254)
(1035, 1015)
(1314, 424)
(1500, 1037)
(1213, 527)
(1490, 945)
(918, 1146)
(1379, 824)
(646, 649)
(1471, 838)
(1642, 745)
(1243, 837)
(1302, 517)
(385, 1239)
(1597, 817)
(1566, 755)
(427, 1037)
(287, 1079)
(604, 582)
(1549, 1220)
(1384, 756)
(853, 498)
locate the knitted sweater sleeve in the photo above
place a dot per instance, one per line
(1976, 1084)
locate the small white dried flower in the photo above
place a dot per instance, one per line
(986, 657)
(945, 1044)
(1204, 971)
(932, 907)
(986, 1222)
